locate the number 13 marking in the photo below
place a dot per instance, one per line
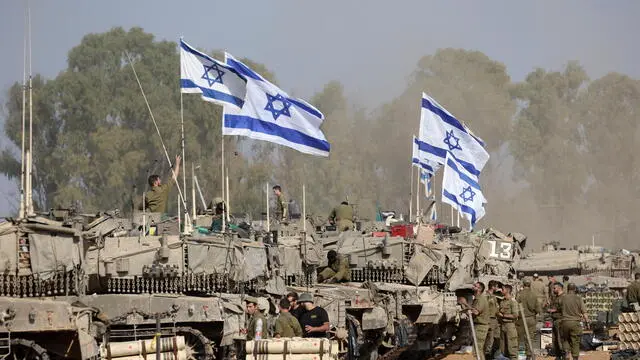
(505, 250)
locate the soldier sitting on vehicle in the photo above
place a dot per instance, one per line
(337, 271)
(218, 212)
(342, 217)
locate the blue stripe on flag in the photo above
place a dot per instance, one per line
(447, 118)
(423, 165)
(464, 208)
(244, 70)
(442, 153)
(210, 93)
(463, 176)
(269, 128)
(195, 52)
(310, 109)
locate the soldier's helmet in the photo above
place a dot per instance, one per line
(217, 200)
(332, 255)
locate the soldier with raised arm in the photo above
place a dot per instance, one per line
(156, 198)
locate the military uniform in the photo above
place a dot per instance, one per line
(287, 326)
(508, 331)
(338, 270)
(281, 207)
(257, 327)
(556, 303)
(538, 289)
(493, 336)
(571, 329)
(531, 308)
(343, 217)
(633, 294)
(156, 198)
(481, 322)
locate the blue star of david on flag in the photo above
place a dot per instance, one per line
(212, 78)
(276, 112)
(467, 194)
(452, 141)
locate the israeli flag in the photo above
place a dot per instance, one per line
(217, 82)
(441, 133)
(434, 214)
(461, 190)
(421, 160)
(425, 178)
(270, 114)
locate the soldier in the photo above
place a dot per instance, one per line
(493, 336)
(531, 308)
(281, 204)
(156, 198)
(507, 316)
(286, 325)
(219, 211)
(337, 271)
(342, 217)
(315, 321)
(538, 288)
(565, 281)
(551, 281)
(633, 293)
(555, 309)
(296, 309)
(573, 311)
(480, 311)
(257, 323)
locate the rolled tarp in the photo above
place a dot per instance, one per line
(141, 347)
(182, 355)
(319, 346)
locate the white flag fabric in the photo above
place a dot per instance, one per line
(214, 80)
(441, 133)
(461, 190)
(269, 114)
(421, 160)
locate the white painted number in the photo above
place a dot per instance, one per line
(505, 249)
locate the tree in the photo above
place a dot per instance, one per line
(93, 136)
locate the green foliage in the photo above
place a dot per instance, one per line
(574, 142)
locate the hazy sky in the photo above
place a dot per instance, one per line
(370, 46)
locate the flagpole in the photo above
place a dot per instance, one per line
(30, 182)
(193, 190)
(418, 198)
(268, 219)
(458, 212)
(227, 199)
(224, 217)
(411, 195)
(24, 118)
(451, 215)
(184, 173)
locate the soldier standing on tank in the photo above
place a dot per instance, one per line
(493, 337)
(480, 312)
(555, 309)
(257, 323)
(507, 316)
(156, 199)
(219, 211)
(573, 311)
(633, 293)
(531, 308)
(342, 217)
(281, 204)
(286, 324)
(337, 271)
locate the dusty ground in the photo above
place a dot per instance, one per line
(591, 355)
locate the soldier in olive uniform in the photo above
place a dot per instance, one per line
(480, 311)
(156, 199)
(633, 293)
(507, 316)
(573, 311)
(337, 271)
(555, 309)
(286, 324)
(256, 329)
(493, 337)
(528, 300)
(538, 288)
(342, 217)
(281, 204)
